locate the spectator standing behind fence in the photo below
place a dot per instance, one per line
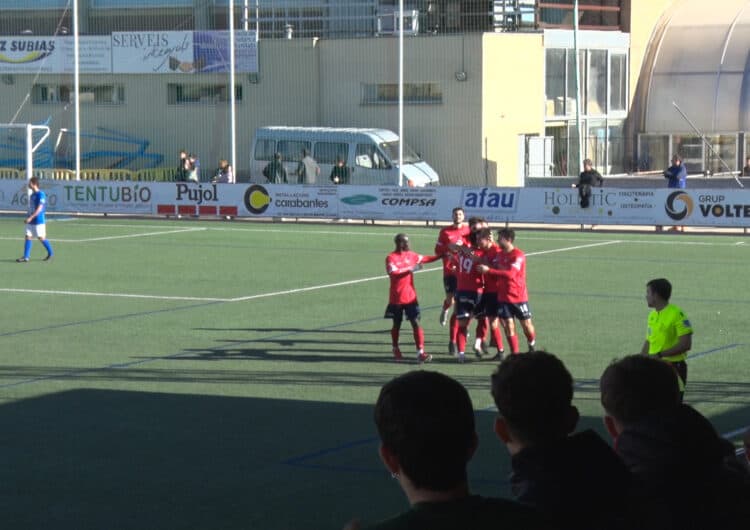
(183, 167)
(275, 171)
(575, 478)
(746, 169)
(194, 166)
(427, 437)
(308, 169)
(588, 178)
(340, 174)
(224, 173)
(676, 174)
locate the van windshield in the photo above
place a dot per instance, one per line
(391, 151)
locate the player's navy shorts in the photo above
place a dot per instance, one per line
(508, 310)
(467, 302)
(489, 305)
(450, 283)
(397, 311)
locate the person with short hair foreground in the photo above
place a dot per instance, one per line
(427, 437)
(680, 465)
(574, 477)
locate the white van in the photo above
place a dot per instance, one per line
(371, 154)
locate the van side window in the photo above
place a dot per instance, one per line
(291, 150)
(369, 157)
(328, 152)
(264, 149)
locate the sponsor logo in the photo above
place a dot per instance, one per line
(679, 205)
(356, 200)
(407, 201)
(197, 194)
(716, 206)
(257, 199)
(490, 198)
(106, 194)
(23, 51)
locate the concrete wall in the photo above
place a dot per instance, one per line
(512, 101)
(447, 135)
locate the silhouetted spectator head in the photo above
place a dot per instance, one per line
(305, 152)
(426, 425)
(635, 387)
(277, 156)
(533, 393)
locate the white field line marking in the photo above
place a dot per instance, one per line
(266, 295)
(566, 249)
(126, 236)
(118, 295)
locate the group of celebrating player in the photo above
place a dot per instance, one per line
(483, 279)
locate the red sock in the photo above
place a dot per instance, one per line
(394, 337)
(461, 339)
(530, 337)
(454, 328)
(513, 339)
(498, 336)
(481, 328)
(419, 338)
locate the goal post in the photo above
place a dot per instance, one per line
(30, 145)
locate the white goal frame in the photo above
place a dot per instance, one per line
(30, 146)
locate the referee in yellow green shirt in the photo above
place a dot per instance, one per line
(669, 335)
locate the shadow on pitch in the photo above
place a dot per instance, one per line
(115, 459)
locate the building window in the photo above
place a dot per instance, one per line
(618, 83)
(596, 83)
(179, 94)
(97, 94)
(414, 94)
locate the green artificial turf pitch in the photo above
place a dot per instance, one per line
(191, 374)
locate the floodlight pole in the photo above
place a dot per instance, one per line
(401, 93)
(76, 89)
(232, 102)
(579, 144)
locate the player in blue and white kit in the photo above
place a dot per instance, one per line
(35, 221)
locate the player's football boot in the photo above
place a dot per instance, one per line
(423, 357)
(48, 257)
(22, 260)
(452, 349)
(397, 354)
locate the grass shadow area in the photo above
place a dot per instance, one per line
(114, 459)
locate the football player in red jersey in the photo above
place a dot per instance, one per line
(470, 285)
(509, 267)
(402, 298)
(456, 234)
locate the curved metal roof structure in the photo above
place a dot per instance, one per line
(698, 61)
